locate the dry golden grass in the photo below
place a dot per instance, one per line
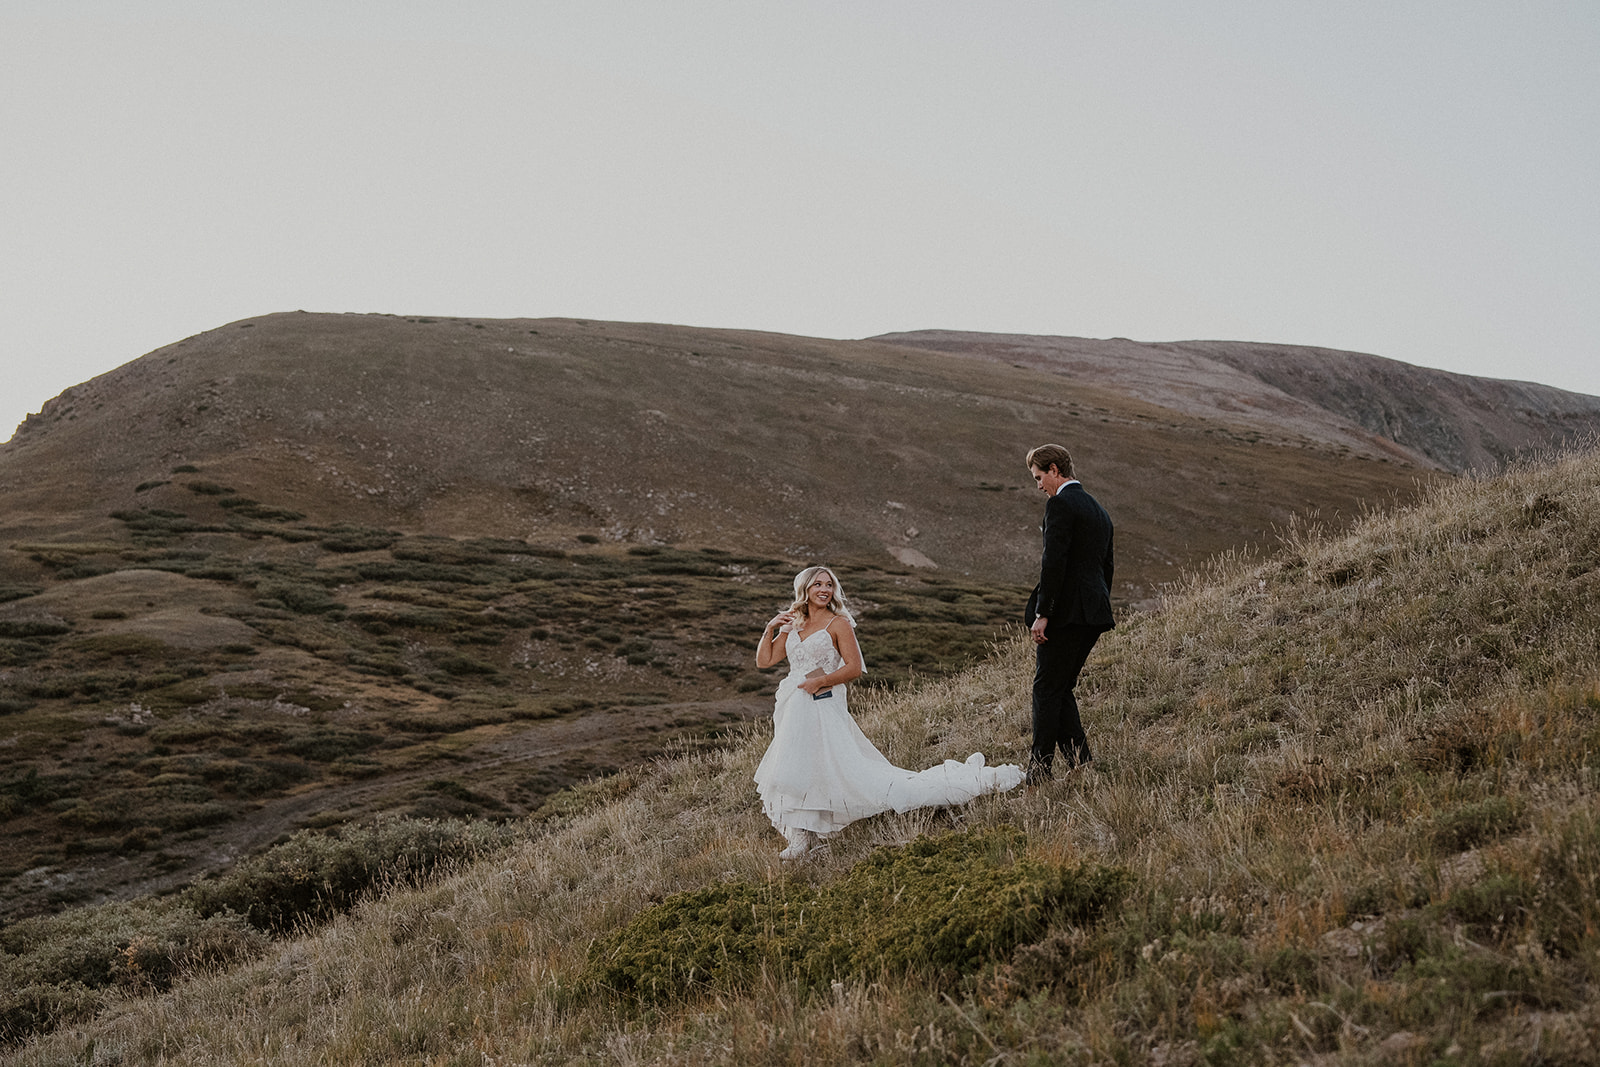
(1355, 782)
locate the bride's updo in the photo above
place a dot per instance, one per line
(802, 603)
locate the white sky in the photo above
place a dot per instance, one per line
(1413, 179)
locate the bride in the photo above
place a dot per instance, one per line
(821, 773)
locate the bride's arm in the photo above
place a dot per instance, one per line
(770, 649)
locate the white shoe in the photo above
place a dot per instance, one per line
(800, 842)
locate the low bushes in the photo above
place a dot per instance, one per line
(941, 906)
(314, 875)
(59, 968)
(358, 539)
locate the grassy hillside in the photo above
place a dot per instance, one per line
(306, 569)
(1343, 810)
(219, 672)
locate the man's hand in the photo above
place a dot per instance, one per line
(1037, 629)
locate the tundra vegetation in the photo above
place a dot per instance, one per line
(370, 669)
(1343, 809)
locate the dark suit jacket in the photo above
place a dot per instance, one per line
(1075, 572)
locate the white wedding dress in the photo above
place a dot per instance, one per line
(821, 773)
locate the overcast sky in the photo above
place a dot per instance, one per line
(1412, 179)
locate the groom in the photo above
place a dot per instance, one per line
(1069, 609)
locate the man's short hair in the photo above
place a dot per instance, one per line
(1046, 456)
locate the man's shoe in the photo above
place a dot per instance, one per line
(1038, 774)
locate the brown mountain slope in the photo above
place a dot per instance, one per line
(1374, 406)
(305, 568)
(551, 429)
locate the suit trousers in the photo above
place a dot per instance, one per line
(1057, 665)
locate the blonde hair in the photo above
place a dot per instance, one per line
(802, 582)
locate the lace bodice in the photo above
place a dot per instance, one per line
(815, 651)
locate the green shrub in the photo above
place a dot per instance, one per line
(327, 743)
(448, 797)
(21, 653)
(28, 789)
(1474, 824)
(156, 525)
(39, 1007)
(419, 618)
(1290, 970)
(87, 568)
(1459, 985)
(504, 546)
(407, 570)
(940, 906)
(56, 966)
(271, 513)
(24, 628)
(302, 597)
(188, 815)
(460, 666)
(1565, 909)
(358, 539)
(443, 550)
(190, 731)
(255, 777)
(314, 875)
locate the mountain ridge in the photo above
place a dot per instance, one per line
(638, 433)
(1434, 418)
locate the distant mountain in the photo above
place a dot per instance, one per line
(633, 433)
(1374, 406)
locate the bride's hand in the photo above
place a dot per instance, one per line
(783, 618)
